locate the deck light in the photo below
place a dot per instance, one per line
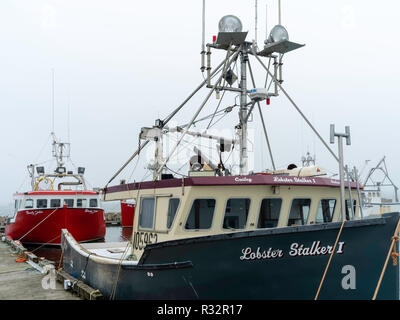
(40, 170)
(230, 23)
(81, 170)
(60, 170)
(278, 33)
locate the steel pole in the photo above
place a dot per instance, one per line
(341, 175)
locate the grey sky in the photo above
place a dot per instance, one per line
(121, 64)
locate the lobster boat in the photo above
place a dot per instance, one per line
(127, 213)
(52, 205)
(216, 229)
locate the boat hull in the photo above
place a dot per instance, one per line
(127, 214)
(43, 226)
(278, 263)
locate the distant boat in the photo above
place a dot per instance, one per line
(127, 213)
(52, 205)
(374, 203)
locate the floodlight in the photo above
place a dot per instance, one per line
(81, 170)
(278, 33)
(40, 170)
(60, 170)
(230, 23)
(196, 166)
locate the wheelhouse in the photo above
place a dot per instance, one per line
(202, 206)
(51, 200)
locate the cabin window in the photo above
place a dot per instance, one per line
(69, 203)
(93, 203)
(16, 205)
(269, 213)
(28, 203)
(326, 208)
(41, 203)
(299, 212)
(81, 203)
(350, 213)
(55, 203)
(172, 209)
(146, 214)
(236, 213)
(201, 214)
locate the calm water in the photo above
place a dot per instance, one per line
(113, 234)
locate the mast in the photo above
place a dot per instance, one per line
(243, 115)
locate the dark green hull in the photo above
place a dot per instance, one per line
(261, 264)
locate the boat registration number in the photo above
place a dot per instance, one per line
(141, 239)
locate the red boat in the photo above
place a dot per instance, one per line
(41, 213)
(127, 213)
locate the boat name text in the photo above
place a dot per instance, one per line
(295, 179)
(295, 250)
(249, 180)
(34, 213)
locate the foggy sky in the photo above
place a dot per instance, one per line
(119, 65)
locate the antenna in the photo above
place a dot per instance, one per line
(68, 121)
(203, 47)
(266, 21)
(255, 25)
(279, 12)
(52, 100)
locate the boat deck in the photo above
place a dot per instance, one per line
(115, 250)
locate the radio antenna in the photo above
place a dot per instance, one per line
(266, 21)
(52, 100)
(255, 25)
(68, 118)
(203, 31)
(279, 11)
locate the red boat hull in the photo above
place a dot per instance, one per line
(43, 226)
(127, 214)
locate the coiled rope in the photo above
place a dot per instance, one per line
(392, 250)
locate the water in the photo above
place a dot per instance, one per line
(113, 234)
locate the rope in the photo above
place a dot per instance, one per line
(45, 244)
(394, 256)
(114, 289)
(329, 261)
(37, 225)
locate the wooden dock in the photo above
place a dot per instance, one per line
(21, 281)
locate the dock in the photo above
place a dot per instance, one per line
(112, 218)
(35, 279)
